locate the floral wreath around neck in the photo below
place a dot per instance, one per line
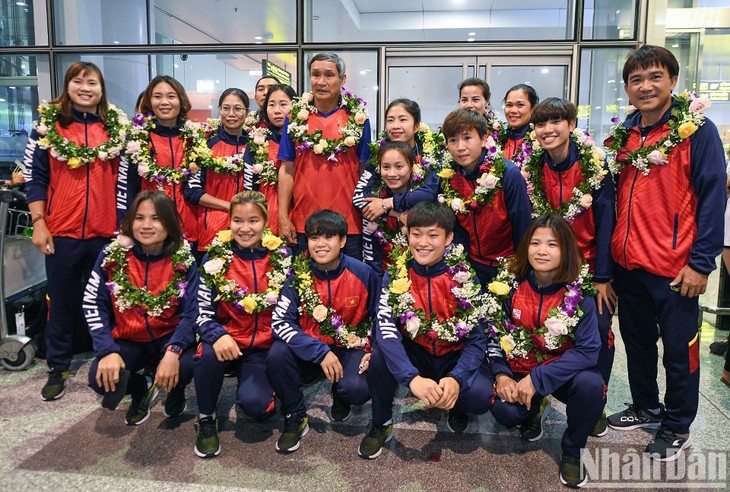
(591, 159)
(488, 184)
(330, 323)
(198, 153)
(684, 120)
(220, 255)
(350, 134)
(116, 126)
(139, 152)
(469, 312)
(127, 295)
(559, 327)
(258, 142)
(524, 150)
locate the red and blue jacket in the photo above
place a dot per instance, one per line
(495, 229)
(672, 216)
(593, 228)
(528, 306)
(349, 289)
(321, 184)
(269, 190)
(81, 203)
(248, 268)
(218, 185)
(431, 290)
(515, 136)
(154, 272)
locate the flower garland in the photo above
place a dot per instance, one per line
(524, 149)
(127, 295)
(518, 341)
(199, 155)
(220, 255)
(263, 166)
(469, 313)
(488, 184)
(350, 135)
(330, 323)
(138, 151)
(62, 149)
(684, 120)
(591, 159)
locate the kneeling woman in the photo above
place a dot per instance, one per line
(244, 270)
(140, 305)
(546, 323)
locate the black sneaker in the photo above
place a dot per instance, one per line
(139, 409)
(294, 429)
(372, 444)
(176, 403)
(719, 348)
(667, 446)
(56, 385)
(457, 422)
(207, 444)
(601, 428)
(532, 429)
(634, 418)
(339, 410)
(572, 472)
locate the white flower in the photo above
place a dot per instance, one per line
(457, 205)
(657, 157)
(257, 168)
(42, 129)
(307, 97)
(318, 149)
(700, 104)
(133, 146)
(271, 298)
(461, 277)
(259, 138)
(556, 327)
(303, 114)
(350, 141)
(586, 200)
(490, 181)
(214, 266)
(125, 242)
(412, 326)
(360, 118)
(143, 169)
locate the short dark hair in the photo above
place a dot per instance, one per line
(405, 149)
(185, 106)
(648, 56)
(411, 107)
(463, 120)
(325, 223)
(554, 108)
(332, 57)
(77, 69)
(477, 82)
(287, 89)
(166, 212)
(572, 257)
(426, 214)
(263, 77)
(529, 91)
(235, 91)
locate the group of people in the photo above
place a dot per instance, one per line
(479, 266)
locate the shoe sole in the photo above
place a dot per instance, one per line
(542, 424)
(380, 451)
(63, 392)
(576, 486)
(686, 445)
(451, 429)
(296, 446)
(206, 455)
(634, 426)
(169, 416)
(600, 434)
(347, 417)
(149, 408)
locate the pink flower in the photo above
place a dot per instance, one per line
(360, 118)
(303, 114)
(319, 313)
(657, 157)
(588, 142)
(143, 169)
(258, 138)
(586, 200)
(490, 181)
(125, 242)
(556, 327)
(133, 147)
(307, 97)
(461, 277)
(525, 175)
(371, 227)
(490, 142)
(350, 141)
(257, 168)
(271, 298)
(700, 104)
(42, 129)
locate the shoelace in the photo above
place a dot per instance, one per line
(207, 427)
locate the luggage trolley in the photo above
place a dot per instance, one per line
(22, 271)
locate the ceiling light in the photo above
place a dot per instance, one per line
(258, 38)
(598, 107)
(116, 42)
(472, 34)
(620, 99)
(255, 73)
(176, 66)
(470, 39)
(21, 4)
(545, 70)
(675, 46)
(612, 81)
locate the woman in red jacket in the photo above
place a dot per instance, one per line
(72, 170)
(244, 270)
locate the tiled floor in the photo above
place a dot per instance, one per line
(73, 444)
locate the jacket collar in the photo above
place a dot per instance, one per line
(547, 290)
(566, 163)
(84, 117)
(328, 274)
(434, 270)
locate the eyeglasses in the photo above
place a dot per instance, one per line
(234, 109)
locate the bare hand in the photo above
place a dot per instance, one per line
(332, 368)
(426, 390)
(42, 238)
(605, 294)
(364, 363)
(287, 230)
(692, 283)
(107, 372)
(168, 371)
(525, 391)
(226, 348)
(374, 209)
(506, 388)
(403, 218)
(450, 393)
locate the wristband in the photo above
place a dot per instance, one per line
(37, 218)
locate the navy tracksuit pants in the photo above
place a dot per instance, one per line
(649, 309)
(476, 399)
(288, 373)
(253, 393)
